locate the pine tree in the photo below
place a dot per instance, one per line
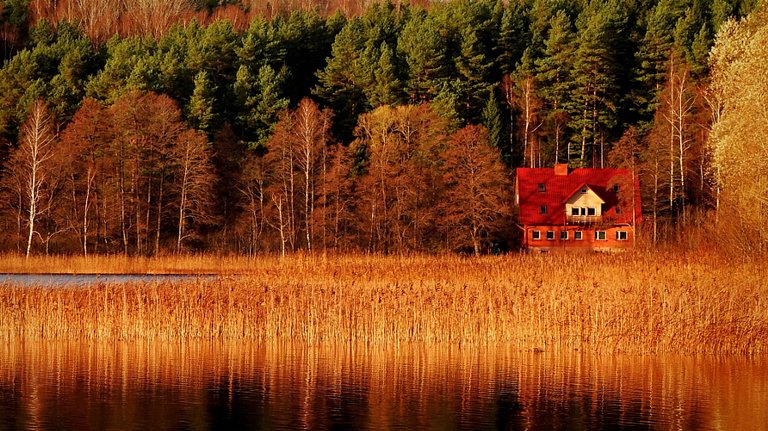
(387, 86)
(425, 54)
(492, 120)
(260, 103)
(343, 81)
(200, 111)
(592, 106)
(553, 72)
(513, 37)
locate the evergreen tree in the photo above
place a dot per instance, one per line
(426, 57)
(343, 81)
(387, 88)
(260, 103)
(474, 69)
(513, 36)
(492, 120)
(200, 112)
(592, 107)
(554, 77)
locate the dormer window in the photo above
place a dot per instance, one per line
(543, 209)
(542, 187)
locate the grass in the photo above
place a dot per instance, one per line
(632, 302)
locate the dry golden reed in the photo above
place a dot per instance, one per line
(631, 302)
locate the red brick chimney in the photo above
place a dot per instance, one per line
(561, 169)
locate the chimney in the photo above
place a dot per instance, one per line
(561, 169)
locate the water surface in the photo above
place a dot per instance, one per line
(284, 387)
(82, 280)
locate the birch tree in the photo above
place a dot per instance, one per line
(32, 163)
(194, 180)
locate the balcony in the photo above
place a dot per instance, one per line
(583, 219)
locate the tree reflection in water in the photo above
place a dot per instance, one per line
(204, 385)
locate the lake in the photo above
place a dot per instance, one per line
(222, 385)
(81, 280)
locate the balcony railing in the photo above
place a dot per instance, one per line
(583, 219)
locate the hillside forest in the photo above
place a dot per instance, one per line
(152, 127)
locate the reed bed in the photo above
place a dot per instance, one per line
(631, 302)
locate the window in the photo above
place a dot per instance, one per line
(578, 235)
(615, 188)
(543, 209)
(583, 211)
(536, 235)
(574, 211)
(550, 235)
(591, 211)
(583, 190)
(563, 235)
(621, 235)
(600, 235)
(617, 210)
(542, 187)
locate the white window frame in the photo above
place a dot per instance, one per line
(563, 235)
(620, 234)
(575, 211)
(599, 234)
(591, 211)
(536, 235)
(550, 235)
(578, 235)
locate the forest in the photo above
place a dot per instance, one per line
(153, 127)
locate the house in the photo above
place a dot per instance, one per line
(582, 208)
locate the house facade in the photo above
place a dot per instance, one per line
(582, 208)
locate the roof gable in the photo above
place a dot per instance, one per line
(576, 194)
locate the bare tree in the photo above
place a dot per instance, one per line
(677, 108)
(195, 177)
(476, 199)
(310, 130)
(83, 141)
(32, 163)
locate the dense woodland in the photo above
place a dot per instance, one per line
(150, 126)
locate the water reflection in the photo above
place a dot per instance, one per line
(214, 385)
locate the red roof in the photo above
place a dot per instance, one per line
(555, 190)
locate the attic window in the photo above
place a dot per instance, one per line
(615, 188)
(543, 209)
(542, 187)
(583, 190)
